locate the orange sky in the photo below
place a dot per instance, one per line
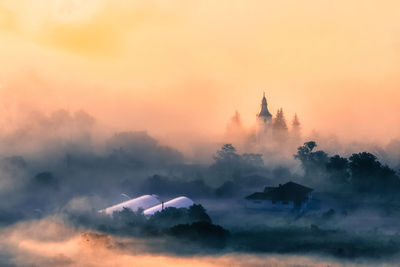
(185, 66)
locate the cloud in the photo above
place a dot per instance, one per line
(38, 131)
(8, 20)
(92, 38)
(99, 30)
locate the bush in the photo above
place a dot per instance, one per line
(203, 233)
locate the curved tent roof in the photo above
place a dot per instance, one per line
(135, 204)
(179, 202)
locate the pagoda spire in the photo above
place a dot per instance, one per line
(264, 113)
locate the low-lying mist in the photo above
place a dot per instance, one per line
(58, 170)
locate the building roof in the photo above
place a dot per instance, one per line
(269, 188)
(288, 192)
(143, 202)
(264, 113)
(179, 202)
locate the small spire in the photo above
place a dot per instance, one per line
(264, 113)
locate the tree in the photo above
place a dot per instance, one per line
(338, 169)
(369, 175)
(171, 216)
(197, 213)
(230, 164)
(314, 163)
(168, 217)
(252, 160)
(227, 161)
(126, 217)
(363, 164)
(303, 152)
(203, 233)
(235, 121)
(279, 126)
(235, 132)
(296, 127)
(227, 154)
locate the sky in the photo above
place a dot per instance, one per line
(178, 68)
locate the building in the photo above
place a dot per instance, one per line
(264, 115)
(179, 202)
(150, 204)
(269, 132)
(290, 196)
(264, 121)
(143, 202)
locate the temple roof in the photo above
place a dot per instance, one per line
(264, 113)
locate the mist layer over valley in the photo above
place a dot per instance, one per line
(57, 172)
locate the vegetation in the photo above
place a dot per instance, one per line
(279, 127)
(227, 162)
(361, 172)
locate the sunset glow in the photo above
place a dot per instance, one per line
(186, 66)
(199, 133)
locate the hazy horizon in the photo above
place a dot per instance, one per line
(184, 68)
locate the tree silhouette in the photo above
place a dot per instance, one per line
(203, 233)
(296, 127)
(229, 163)
(279, 126)
(362, 172)
(314, 163)
(369, 175)
(236, 118)
(197, 213)
(303, 152)
(234, 129)
(251, 159)
(227, 154)
(338, 169)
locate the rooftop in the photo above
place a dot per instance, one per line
(288, 192)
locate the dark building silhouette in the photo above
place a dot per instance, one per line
(271, 129)
(264, 114)
(264, 122)
(284, 197)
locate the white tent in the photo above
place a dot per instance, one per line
(179, 202)
(143, 202)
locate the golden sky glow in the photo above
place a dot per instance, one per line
(186, 66)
